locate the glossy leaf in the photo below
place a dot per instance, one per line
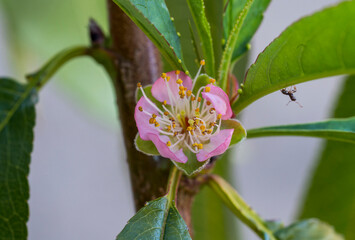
(192, 166)
(342, 129)
(310, 229)
(250, 25)
(159, 219)
(239, 207)
(146, 147)
(317, 46)
(197, 8)
(239, 133)
(331, 194)
(226, 61)
(153, 18)
(17, 120)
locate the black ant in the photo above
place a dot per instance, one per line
(289, 92)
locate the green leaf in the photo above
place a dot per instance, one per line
(239, 133)
(17, 120)
(192, 166)
(239, 207)
(250, 25)
(342, 129)
(317, 46)
(159, 219)
(153, 18)
(310, 229)
(146, 147)
(197, 8)
(226, 61)
(201, 81)
(331, 195)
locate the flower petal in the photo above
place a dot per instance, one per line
(160, 142)
(218, 145)
(150, 132)
(219, 100)
(160, 90)
(142, 119)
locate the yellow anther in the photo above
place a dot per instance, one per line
(197, 110)
(181, 88)
(179, 81)
(168, 128)
(139, 85)
(164, 102)
(200, 146)
(202, 62)
(174, 125)
(163, 75)
(203, 128)
(208, 103)
(189, 129)
(166, 113)
(140, 109)
(197, 121)
(194, 145)
(191, 122)
(219, 116)
(175, 133)
(167, 78)
(212, 110)
(171, 119)
(152, 120)
(157, 124)
(177, 72)
(185, 88)
(154, 116)
(168, 144)
(188, 93)
(209, 131)
(199, 99)
(207, 89)
(193, 98)
(212, 80)
(212, 124)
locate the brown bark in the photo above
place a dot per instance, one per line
(137, 61)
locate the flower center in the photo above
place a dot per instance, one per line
(189, 120)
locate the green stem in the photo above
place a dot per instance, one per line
(174, 180)
(239, 207)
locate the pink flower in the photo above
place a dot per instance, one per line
(184, 120)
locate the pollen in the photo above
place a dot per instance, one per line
(157, 124)
(199, 99)
(154, 116)
(188, 93)
(163, 75)
(191, 122)
(212, 80)
(168, 128)
(168, 144)
(202, 62)
(167, 78)
(189, 129)
(193, 98)
(139, 85)
(177, 72)
(181, 88)
(152, 120)
(179, 81)
(164, 102)
(219, 116)
(140, 109)
(208, 103)
(209, 131)
(200, 146)
(212, 110)
(166, 113)
(207, 89)
(197, 110)
(203, 128)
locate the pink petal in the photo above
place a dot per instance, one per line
(150, 132)
(160, 142)
(160, 90)
(142, 119)
(218, 145)
(219, 100)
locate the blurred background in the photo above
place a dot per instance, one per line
(79, 180)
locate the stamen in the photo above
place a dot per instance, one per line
(212, 80)
(140, 109)
(179, 81)
(168, 144)
(207, 89)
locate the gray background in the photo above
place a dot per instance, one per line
(79, 179)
